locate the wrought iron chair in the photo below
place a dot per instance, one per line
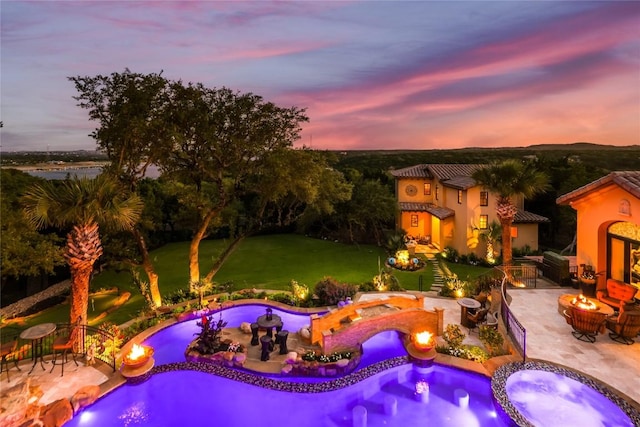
(625, 326)
(477, 318)
(9, 351)
(63, 344)
(586, 324)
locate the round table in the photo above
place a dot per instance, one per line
(36, 335)
(465, 305)
(564, 301)
(268, 322)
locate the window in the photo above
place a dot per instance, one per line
(427, 188)
(484, 221)
(459, 197)
(484, 198)
(414, 220)
(437, 192)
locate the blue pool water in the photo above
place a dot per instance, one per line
(186, 397)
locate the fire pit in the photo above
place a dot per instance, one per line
(583, 303)
(138, 356)
(423, 341)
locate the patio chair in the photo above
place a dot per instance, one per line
(625, 326)
(63, 344)
(586, 324)
(7, 352)
(477, 318)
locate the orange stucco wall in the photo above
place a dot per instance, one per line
(596, 211)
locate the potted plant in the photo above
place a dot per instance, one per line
(588, 280)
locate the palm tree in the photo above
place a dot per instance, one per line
(82, 204)
(508, 179)
(491, 235)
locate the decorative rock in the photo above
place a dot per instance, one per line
(245, 327)
(84, 396)
(342, 363)
(305, 333)
(239, 359)
(57, 413)
(291, 358)
(286, 369)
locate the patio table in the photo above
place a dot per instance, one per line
(36, 334)
(466, 304)
(268, 322)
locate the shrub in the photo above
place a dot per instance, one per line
(454, 287)
(329, 291)
(492, 339)
(453, 336)
(366, 287)
(208, 341)
(299, 291)
(284, 297)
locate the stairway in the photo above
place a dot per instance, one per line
(438, 277)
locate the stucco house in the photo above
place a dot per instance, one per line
(443, 204)
(608, 226)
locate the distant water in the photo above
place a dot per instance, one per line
(91, 172)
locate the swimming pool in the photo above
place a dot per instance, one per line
(382, 388)
(181, 393)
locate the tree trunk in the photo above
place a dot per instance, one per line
(80, 294)
(194, 248)
(147, 265)
(82, 251)
(506, 240)
(221, 259)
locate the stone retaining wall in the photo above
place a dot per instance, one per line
(17, 308)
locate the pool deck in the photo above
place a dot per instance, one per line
(548, 338)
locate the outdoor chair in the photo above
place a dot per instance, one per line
(586, 324)
(9, 351)
(625, 326)
(477, 318)
(63, 344)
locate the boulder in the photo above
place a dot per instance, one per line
(84, 396)
(286, 369)
(305, 333)
(291, 358)
(245, 327)
(57, 413)
(342, 363)
(240, 359)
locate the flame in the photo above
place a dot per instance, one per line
(137, 351)
(423, 338)
(583, 302)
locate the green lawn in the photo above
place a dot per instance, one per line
(263, 262)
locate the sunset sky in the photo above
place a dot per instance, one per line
(372, 74)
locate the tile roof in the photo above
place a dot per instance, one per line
(460, 182)
(437, 211)
(449, 171)
(417, 171)
(451, 175)
(627, 180)
(523, 217)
